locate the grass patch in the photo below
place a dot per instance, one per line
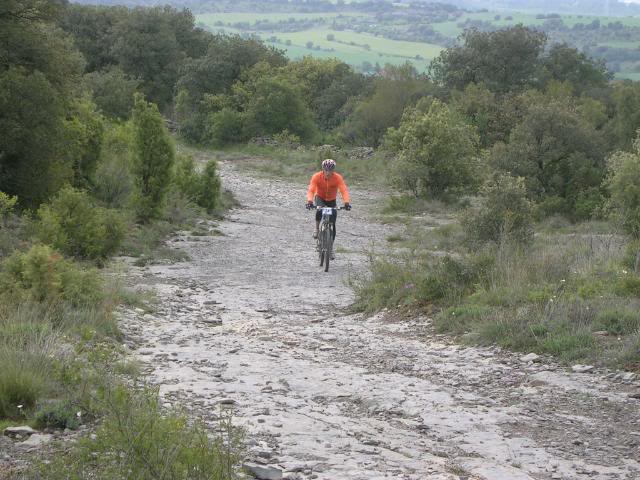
(554, 297)
(138, 437)
(299, 164)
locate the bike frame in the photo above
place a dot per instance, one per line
(325, 236)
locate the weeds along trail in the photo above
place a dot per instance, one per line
(252, 323)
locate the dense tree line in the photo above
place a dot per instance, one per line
(544, 112)
(80, 93)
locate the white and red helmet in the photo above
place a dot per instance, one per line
(329, 165)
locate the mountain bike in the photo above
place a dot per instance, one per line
(325, 236)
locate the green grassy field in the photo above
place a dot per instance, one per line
(347, 46)
(355, 48)
(352, 58)
(451, 29)
(211, 18)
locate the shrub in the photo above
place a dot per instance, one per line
(42, 275)
(186, 180)
(459, 319)
(20, 384)
(112, 91)
(8, 231)
(618, 321)
(57, 414)
(7, 204)
(201, 188)
(588, 204)
(409, 280)
(628, 286)
(629, 357)
(137, 437)
(73, 225)
(26, 346)
(154, 156)
(113, 183)
(275, 106)
(436, 151)
(504, 216)
(209, 195)
(623, 182)
(226, 127)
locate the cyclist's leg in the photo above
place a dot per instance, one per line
(319, 203)
(333, 204)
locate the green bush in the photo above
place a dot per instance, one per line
(154, 157)
(9, 224)
(201, 188)
(209, 197)
(459, 319)
(113, 182)
(138, 438)
(551, 205)
(388, 285)
(407, 280)
(618, 321)
(58, 414)
(629, 357)
(588, 204)
(504, 216)
(20, 385)
(42, 275)
(628, 286)
(226, 127)
(7, 204)
(185, 178)
(436, 151)
(73, 225)
(623, 182)
(26, 345)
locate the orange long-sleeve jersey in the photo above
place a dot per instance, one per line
(327, 189)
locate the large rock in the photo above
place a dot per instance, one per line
(582, 368)
(532, 357)
(15, 432)
(36, 440)
(263, 472)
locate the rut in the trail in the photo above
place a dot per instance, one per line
(323, 394)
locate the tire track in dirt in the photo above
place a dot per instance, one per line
(324, 394)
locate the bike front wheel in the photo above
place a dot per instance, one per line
(328, 245)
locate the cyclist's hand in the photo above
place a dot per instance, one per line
(309, 205)
(347, 206)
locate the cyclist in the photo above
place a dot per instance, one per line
(324, 187)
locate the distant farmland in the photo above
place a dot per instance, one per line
(364, 39)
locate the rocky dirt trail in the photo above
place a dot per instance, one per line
(251, 321)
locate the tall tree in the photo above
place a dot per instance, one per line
(396, 88)
(566, 64)
(154, 157)
(146, 47)
(503, 60)
(227, 57)
(39, 76)
(623, 183)
(559, 153)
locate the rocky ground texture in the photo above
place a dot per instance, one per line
(253, 323)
